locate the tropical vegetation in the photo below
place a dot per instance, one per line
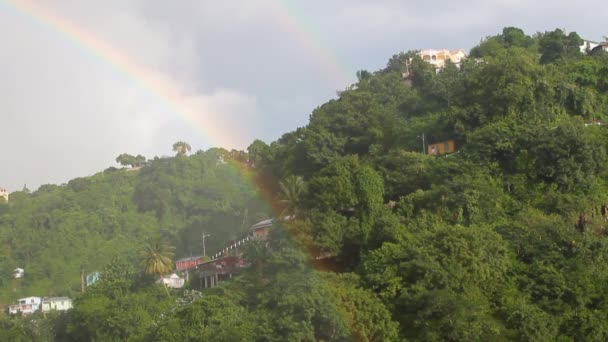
(504, 238)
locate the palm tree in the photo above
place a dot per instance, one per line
(292, 193)
(181, 148)
(157, 259)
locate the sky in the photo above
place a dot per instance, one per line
(83, 81)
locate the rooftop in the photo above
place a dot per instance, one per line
(269, 222)
(55, 299)
(263, 224)
(189, 258)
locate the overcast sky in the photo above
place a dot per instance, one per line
(82, 81)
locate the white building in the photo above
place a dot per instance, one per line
(18, 272)
(588, 45)
(4, 194)
(601, 46)
(439, 57)
(56, 303)
(173, 281)
(26, 306)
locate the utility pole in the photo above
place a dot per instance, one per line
(204, 236)
(423, 143)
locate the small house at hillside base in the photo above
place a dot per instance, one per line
(56, 303)
(440, 148)
(18, 273)
(25, 306)
(172, 281)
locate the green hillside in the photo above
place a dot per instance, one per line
(504, 237)
(57, 231)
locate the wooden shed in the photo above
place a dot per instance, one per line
(443, 147)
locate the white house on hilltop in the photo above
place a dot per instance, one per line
(26, 306)
(438, 57)
(588, 45)
(591, 46)
(56, 303)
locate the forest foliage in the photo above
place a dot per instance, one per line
(505, 239)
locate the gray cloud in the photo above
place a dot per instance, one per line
(233, 71)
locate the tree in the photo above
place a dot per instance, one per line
(210, 318)
(363, 75)
(157, 259)
(181, 148)
(398, 62)
(258, 153)
(509, 38)
(447, 83)
(292, 193)
(368, 319)
(139, 161)
(513, 36)
(557, 45)
(129, 160)
(440, 280)
(125, 159)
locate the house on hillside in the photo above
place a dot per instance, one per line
(188, 263)
(214, 271)
(18, 273)
(261, 229)
(601, 47)
(25, 306)
(438, 58)
(3, 195)
(172, 281)
(588, 45)
(443, 147)
(56, 303)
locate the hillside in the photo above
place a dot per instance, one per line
(57, 231)
(499, 230)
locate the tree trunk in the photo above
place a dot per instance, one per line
(165, 286)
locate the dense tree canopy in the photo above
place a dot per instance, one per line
(504, 238)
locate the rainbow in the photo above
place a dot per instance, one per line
(167, 90)
(163, 89)
(287, 16)
(159, 86)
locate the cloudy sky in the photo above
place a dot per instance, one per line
(82, 81)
